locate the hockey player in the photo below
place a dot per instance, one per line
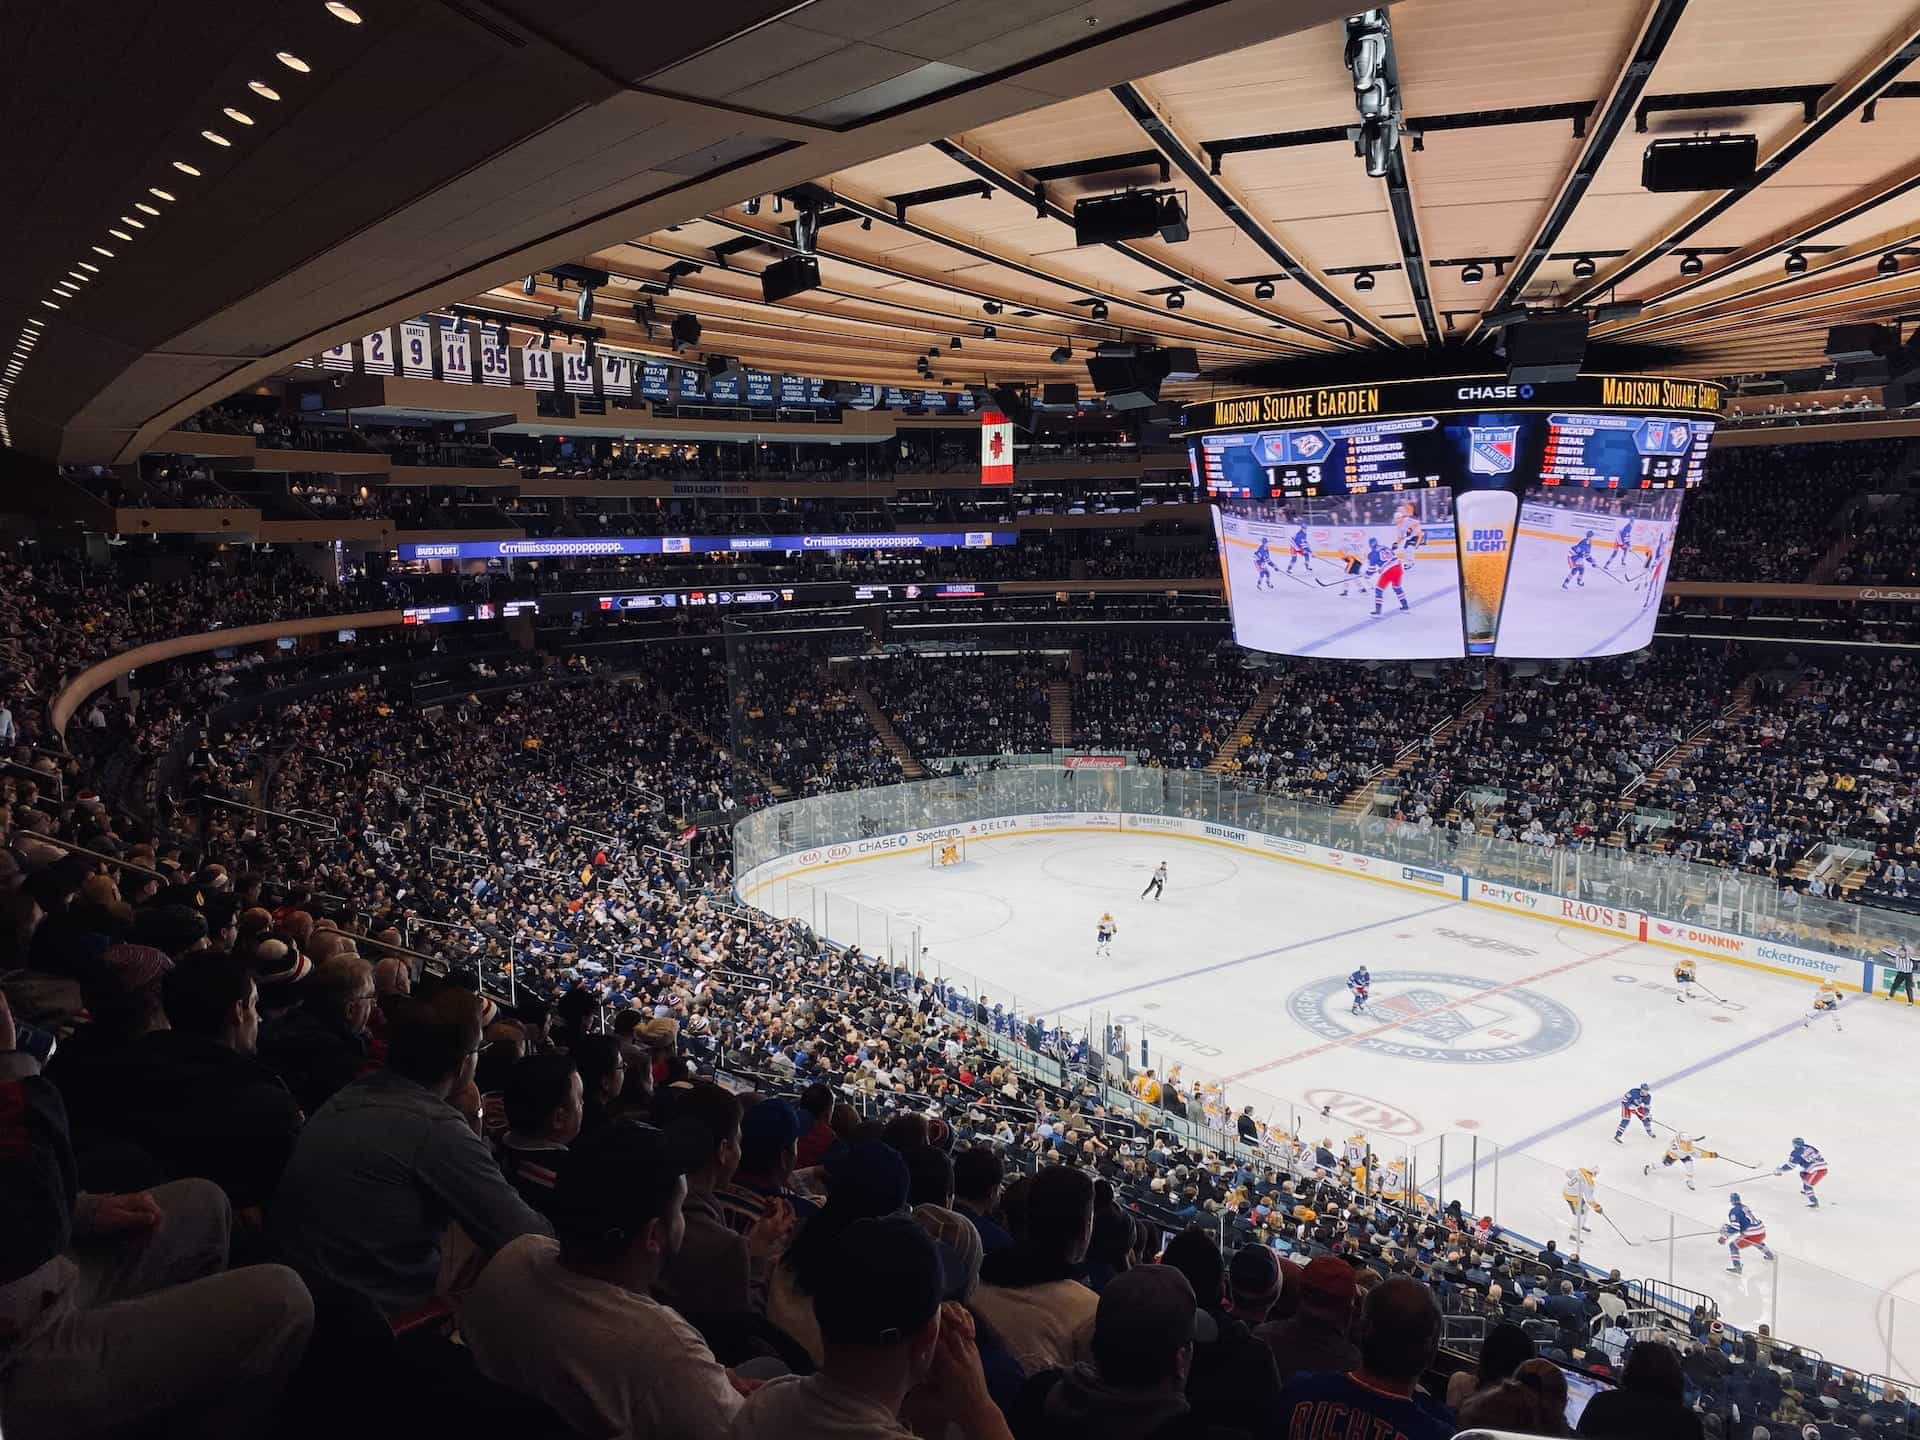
(1682, 1151)
(1743, 1230)
(1812, 1166)
(1388, 572)
(1826, 1001)
(1263, 566)
(1577, 1191)
(1655, 563)
(1158, 883)
(1578, 558)
(1355, 575)
(1301, 550)
(1622, 547)
(1103, 936)
(1636, 1104)
(1353, 1160)
(1411, 536)
(1359, 985)
(1684, 971)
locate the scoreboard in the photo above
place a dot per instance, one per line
(1625, 452)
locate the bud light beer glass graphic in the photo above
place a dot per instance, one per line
(1485, 520)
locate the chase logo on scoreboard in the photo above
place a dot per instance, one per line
(1436, 1016)
(1491, 448)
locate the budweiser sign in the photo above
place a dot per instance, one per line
(1096, 762)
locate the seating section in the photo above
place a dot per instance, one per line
(944, 705)
(1769, 512)
(1173, 704)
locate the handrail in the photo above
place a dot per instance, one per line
(71, 848)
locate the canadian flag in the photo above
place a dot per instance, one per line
(996, 448)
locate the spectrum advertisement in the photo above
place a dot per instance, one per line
(562, 547)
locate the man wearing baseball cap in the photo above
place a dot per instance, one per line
(1316, 1336)
(571, 1322)
(885, 1331)
(1400, 1335)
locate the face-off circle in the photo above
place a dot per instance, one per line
(1438, 1016)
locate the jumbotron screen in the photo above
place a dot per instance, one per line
(1436, 519)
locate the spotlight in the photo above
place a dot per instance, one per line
(1263, 291)
(1061, 355)
(866, 222)
(779, 204)
(686, 332)
(1472, 274)
(546, 337)
(1889, 264)
(806, 229)
(989, 332)
(1098, 310)
(954, 343)
(1584, 267)
(752, 206)
(1177, 300)
(583, 307)
(1364, 280)
(1691, 264)
(1797, 263)
(992, 307)
(530, 284)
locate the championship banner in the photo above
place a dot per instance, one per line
(376, 352)
(456, 356)
(416, 350)
(996, 448)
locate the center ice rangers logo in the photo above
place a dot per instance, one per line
(1436, 1016)
(1491, 449)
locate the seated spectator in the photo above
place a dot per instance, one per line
(1650, 1403)
(768, 1132)
(1135, 1384)
(816, 1105)
(118, 1311)
(1317, 1335)
(322, 1044)
(603, 1075)
(1253, 1284)
(1548, 1381)
(543, 1105)
(1501, 1353)
(1508, 1405)
(1028, 1291)
(885, 1331)
(1232, 1381)
(866, 1180)
(384, 1167)
(978, 1174)
(573, 1323)
(716, 1271)
(1400, 1335)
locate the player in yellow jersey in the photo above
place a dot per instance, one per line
(1683, 1150)
(1684, 973)
(1577, 1191)
(1410, 536)
(949, 854)
(1826, 1001)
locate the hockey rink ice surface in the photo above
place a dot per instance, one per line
(1519, 1031)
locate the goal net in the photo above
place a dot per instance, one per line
(947, 852)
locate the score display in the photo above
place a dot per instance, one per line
(1481, 519)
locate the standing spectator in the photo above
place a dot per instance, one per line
(573, 1324)
(1400, 1335)
(143, 1325)
(1135, 1384)
(978, 1174)
(1253, 1284)
(1316, 1336)
(385, 1165)
(885, 1331)
(322, 1045)
(1028, 1292)
(816, 1107)
(543, 1103)
(1649, 1404)
(1232, 1381)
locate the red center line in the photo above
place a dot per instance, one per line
(1324, 1046)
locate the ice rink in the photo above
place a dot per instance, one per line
(1485, 1025)
(1610, 615)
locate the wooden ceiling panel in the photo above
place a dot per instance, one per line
(1571, 53)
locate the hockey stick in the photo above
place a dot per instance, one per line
(1616, 1229)
(1688, 1235)
(1721, 998)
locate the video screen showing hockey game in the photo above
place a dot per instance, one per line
(1355, 577)
(1587, 570)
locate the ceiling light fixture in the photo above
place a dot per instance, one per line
(1177, 300)
(992, 307)
(1584, 267)
(1691, 264)
(83, 279)
(263, 90)
(866, 222)
(1263, 291)
(184, 168)
(1364, 280)
(239, 117)
(343, 12)
(954, 343)
(102, 250)
(1061, 355)
(1472, 274)
(217, 138)
(159, 194)
(1098, 310)
(1889, 264)
(136, 224)
(89, 265)
(1797, 263)
(293, 62)
(49, 304)
(144, 208)
(120, 235)
(529, 285)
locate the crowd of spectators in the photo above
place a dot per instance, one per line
(964, 703)
(1769, 512)
(796, 717)
(1170, 704)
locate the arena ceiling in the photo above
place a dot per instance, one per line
(1524, 126)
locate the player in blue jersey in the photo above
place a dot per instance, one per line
(1578, 558)
(1743, 1230)
(1263, 565)
(1812, 1166)
(1622, 547)
(1359, 985)
(1387, 571)
(1301, 550)
(1636, 1104)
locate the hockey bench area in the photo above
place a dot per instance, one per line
(1506, 1017)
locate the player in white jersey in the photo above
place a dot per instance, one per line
(1577, 1191)
(1826, 1002)
(1411, 536)
(1682, 1151)
(1353, 1159)
(1103, 936)
(1684, 974)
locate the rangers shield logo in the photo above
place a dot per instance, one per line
(1491, 449)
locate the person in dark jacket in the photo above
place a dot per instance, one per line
(196, 1097)
(1316, 1336)
(1233, 1381)
(1649, 1404)
(322, 1045)
(978, 1176)
(1135, 1386)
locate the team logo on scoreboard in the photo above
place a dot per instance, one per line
(1437, 1016)
(1491, 448)
(1309, 444)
